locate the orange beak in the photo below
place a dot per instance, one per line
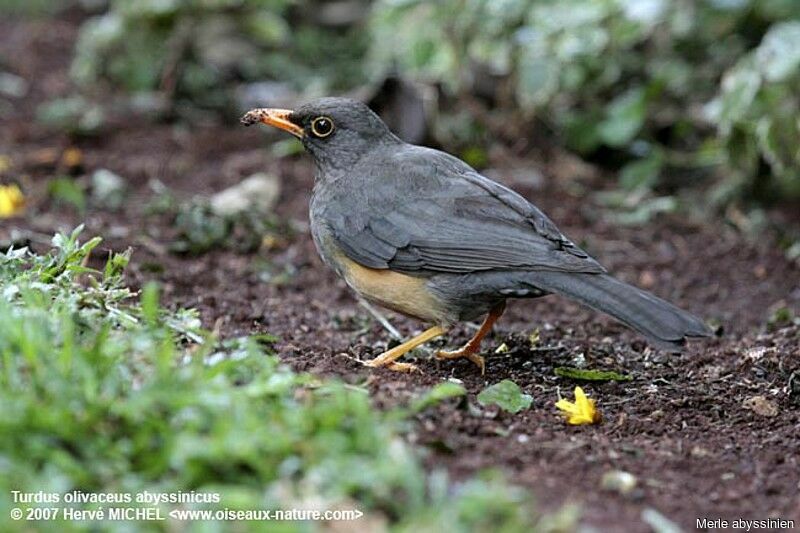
(273, 117)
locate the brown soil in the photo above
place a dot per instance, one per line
(681, 426)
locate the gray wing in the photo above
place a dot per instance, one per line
(449, 219)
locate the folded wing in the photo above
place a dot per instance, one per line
(452, 219)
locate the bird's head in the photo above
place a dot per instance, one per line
(337, 132)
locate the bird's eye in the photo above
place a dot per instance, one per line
(322, 127)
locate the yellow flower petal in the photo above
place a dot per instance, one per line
(12, 202)
(581, 411)
(567, 406)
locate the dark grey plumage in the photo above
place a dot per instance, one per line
(417, 211)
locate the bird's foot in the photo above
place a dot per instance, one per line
(467, 352)
(397, 367)
(388, 358)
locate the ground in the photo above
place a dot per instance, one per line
(687, 426)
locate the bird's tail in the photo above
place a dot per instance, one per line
(664, 324)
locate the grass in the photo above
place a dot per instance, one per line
(103, 390)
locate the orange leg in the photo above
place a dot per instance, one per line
(389, 357)
(470, 350)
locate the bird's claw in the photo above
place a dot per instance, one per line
(397, 367)
(465, 353)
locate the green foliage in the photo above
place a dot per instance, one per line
(507, 395)
(623, 82)
(65, 190)
(106, 392)
(74, 115)
(439, 393)
(757, 113)
(197, 50)
(472, 508)
(667, 93)
(780, 317)
(585, 374)
(200, 229)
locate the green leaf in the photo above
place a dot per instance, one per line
(590, 375)
(641, 173)
(475, 156)
(507, 395)
(581, 132)
(150, 302)
(439, 393)
(537, 80)
(778, 55)
(624, 118)
(646, 210)
(739, 88)
(116, 264)
(67, 191)
(73, 115)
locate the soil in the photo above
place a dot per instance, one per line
(687, 426)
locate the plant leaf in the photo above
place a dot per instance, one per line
(624, 118)
(437, 394)
(507, 395)
(589, 374)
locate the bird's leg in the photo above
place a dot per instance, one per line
(470, 350)
(388, 357)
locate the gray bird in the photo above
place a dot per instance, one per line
(420, 232)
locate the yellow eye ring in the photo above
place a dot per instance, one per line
(322, 127)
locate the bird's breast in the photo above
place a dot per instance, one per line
(409, 295)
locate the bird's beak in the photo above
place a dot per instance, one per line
(273, 117)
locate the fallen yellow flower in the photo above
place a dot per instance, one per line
(12, 202)
(581, 411)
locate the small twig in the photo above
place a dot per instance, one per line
(351, 357)
(618, 402)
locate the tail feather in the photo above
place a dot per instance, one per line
(664, 324)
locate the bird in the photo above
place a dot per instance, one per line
(420, 232)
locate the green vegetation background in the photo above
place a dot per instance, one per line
(667, 94)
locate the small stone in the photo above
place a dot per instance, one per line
(761, 406)
(699, 451)
(756, 354)
(647, 279)
(618, 481)
(108, 188)
(658, 522)
(12, 85)
(258, 192)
